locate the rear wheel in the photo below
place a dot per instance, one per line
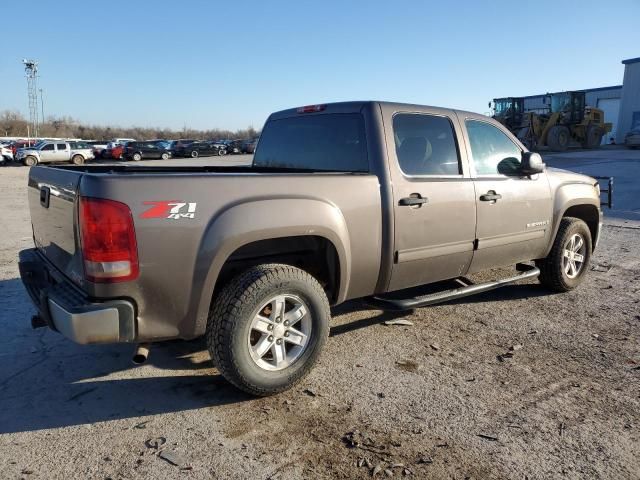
(194, 154)
(30, 161)
(566, 265)
(77, 160)
(558, 138)
(593, 137)
(137, 157)
(165, 156)
(267, 328)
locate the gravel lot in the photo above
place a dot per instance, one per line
(437, 396)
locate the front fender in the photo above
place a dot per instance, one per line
(569, 195)
(256, 220)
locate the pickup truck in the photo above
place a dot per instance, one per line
(342, 201)
(55, 151)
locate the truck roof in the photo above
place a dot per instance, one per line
(357, 106)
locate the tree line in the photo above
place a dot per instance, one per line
(13, 124)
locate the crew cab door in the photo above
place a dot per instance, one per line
(48, 153)
(63, 152)
(434, 199)
(514, 211)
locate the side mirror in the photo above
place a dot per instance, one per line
(531, 163)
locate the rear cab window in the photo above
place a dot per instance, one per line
(325, 142)
(426, 145)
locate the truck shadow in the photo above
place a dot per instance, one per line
(47, 381)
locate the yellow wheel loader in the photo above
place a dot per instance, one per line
(566, 122)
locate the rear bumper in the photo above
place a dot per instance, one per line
(69, 311)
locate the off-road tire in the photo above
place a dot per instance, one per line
(30, 161)
(552, 274)
(77, 160)
(593, 137)
(558, 138)
(230, 318)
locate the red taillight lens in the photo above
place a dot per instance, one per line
(108, 238)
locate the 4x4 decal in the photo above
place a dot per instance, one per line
(171, 209)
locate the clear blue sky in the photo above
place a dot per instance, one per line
(229, 64)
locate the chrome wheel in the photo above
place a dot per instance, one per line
(279, 332)
(573, 255)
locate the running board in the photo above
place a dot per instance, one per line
(528, 271)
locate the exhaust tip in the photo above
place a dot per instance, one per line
(140, 355)
(38, 322)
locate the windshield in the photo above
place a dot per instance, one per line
(560, 102)
(331, 142)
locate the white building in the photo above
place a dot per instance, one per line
(629, 116)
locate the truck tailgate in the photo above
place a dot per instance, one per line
(52, 195)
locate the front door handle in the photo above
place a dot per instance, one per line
(415, 200)
(490, 196)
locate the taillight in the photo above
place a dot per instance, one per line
(108, 237)
(311, 108)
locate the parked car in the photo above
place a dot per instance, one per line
(342, 201)
(233, 146)
(249, 146)
(632, 138)
(114, 151)
(18, 144)
(55, 151)
(145, 150)
(197, 149)
(6, 154)
(98, 146)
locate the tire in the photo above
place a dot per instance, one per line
(558, 138)
(165, 156)
(194, 154)
(136, 157)
(231, 330)
(30, 161)
(77, 160)
(593, 137)
(553, 269)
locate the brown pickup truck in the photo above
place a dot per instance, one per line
(342, 201)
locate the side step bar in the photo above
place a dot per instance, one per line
(528, 271)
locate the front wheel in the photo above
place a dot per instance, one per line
(137, 157)
(194, 154)
(30, 161)
(566, 265)
(165, 156)
(267, 328)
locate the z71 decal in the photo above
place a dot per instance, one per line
(171, 209)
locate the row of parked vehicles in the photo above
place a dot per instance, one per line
(32, 152)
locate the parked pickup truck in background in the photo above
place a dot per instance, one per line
(55, 151)
(342, 201)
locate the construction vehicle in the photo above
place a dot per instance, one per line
(565, 120)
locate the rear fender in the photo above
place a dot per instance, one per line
(252, 221)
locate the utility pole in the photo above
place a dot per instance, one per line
(31, 72)
(42, 106)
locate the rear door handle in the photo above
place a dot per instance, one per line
(413, 201)
(490, 196)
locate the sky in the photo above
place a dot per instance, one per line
(210, 64)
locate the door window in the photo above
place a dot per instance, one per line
(493, 152)
(48, 146)
(62, 146)
(425, 144)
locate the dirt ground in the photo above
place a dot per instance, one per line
(515, 383)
